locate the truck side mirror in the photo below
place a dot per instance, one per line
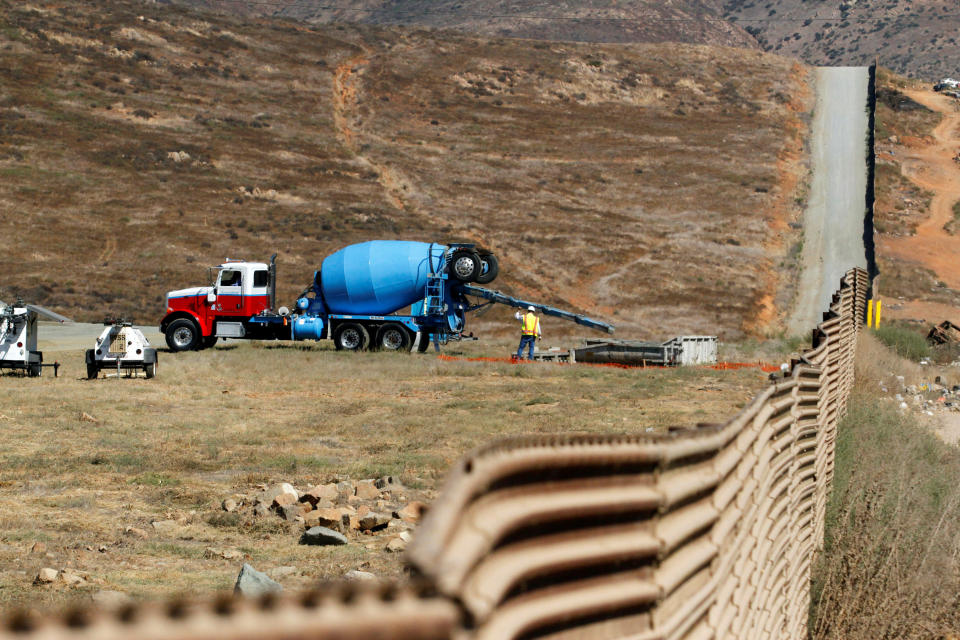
(211, 298)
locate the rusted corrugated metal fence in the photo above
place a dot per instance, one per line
(701, 533)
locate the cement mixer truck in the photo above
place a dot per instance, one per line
(385, 295)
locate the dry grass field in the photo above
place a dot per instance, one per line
(650, 185)
(218, 423)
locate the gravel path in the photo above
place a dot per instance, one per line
(833, 221)
(53, 336)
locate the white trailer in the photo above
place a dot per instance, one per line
(123, 348)
(18, 338)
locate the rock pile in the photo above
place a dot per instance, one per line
(334, 512)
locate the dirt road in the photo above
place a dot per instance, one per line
(929, 164)
(833, 221)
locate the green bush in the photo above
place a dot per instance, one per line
(906, 342)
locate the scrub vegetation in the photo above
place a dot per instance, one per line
(890, 567)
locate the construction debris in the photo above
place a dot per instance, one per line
(944, 333)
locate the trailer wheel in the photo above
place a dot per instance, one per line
(351, 337)
(465, 265)
(393, 337)
(150, 363)
(34, 370)
(182, 335)
(489, 268)
(93, 371)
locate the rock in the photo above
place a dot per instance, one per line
(412, 511)
(406, 536)
(291, 512)
(225, 554)
(70, 578)
(322, 536)
(164, 526)
(261, 510)
(252, 583)
(386, 482)
(374, 521)
(38, 547)
(353, 522)
(344, 490)
(893, 139)
(320, 493)
(108, 599)
(281, 572)
(324, 518)
(363, 510)
(396, 545)
(229, 505)
(358, 576)
(46, 576)
(284, 500)
(367, 490)
(269, 496)
(136, 532)
(86, 417)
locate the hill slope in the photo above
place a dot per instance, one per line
(915, 37)
(694, 21)
(648, 185)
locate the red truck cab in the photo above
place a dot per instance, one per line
(198, 316)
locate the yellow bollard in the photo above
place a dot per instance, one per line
(876, 319)
(869, 313)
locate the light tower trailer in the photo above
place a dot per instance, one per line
(18, 338)
(121, 347)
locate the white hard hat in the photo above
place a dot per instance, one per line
(531, 308)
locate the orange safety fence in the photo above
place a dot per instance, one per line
(722, 366)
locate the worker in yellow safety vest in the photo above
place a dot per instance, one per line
(529, 331)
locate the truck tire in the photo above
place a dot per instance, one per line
(208, 342)
(465, 265)
(350, 336)
(393, 337)
(183, 335)
(490, 267)
(93, 371)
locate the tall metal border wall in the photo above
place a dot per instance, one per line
(701, 533)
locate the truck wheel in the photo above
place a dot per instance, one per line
(351, 337)
(182, 335)
(393, 337)
(208, 342)
(490, 268)
(465, 265)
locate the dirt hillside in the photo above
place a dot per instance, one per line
(914, 37)
(693, 21)
(650, 185)
(919, 187)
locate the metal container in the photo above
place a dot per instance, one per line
(694, 349)
(378, 277)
